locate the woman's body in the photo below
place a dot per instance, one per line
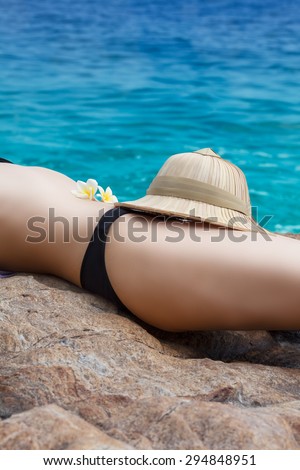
(239, 282)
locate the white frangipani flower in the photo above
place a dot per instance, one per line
(86, 190)
(107, 195)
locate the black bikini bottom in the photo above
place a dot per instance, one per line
(93, 274)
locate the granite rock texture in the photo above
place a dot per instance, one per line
(51, 427)
(77, 373)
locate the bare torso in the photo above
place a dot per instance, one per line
(39, 215)
(175, 275)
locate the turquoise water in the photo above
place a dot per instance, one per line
(109, 90)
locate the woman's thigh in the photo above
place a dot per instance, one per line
(186, 276)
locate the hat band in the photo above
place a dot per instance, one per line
(187, 188)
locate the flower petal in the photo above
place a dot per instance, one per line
(86, 190)
(113, 199)
(108, 191)
(101, 190)
(81, 185)
(92, 183)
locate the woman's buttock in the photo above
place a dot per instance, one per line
(178, 271)
(153, 265)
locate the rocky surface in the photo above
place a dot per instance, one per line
(77, 373)
(51, 427)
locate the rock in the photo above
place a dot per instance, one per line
(52, 428)
(192, 423)
(68, 356)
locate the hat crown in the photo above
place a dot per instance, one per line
(207, 151)
(201, 165)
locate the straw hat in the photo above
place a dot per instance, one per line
(200, 185)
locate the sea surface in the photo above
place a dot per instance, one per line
(110, 89)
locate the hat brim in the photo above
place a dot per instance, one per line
(195, 210)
